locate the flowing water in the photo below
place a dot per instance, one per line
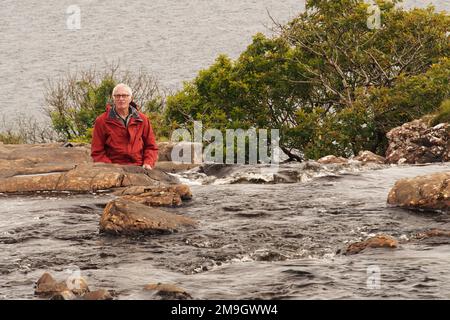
(254, 241)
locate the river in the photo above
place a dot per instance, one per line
(254, 241)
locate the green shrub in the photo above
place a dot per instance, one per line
(330, 84)
(74, 101)
(443, 114)
(11, 138)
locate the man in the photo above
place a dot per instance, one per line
(122, 134)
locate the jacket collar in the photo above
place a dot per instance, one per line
(133, 112)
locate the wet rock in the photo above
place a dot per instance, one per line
(122, 217)
(172, 167)
(63, 295)
(74, 287)
(183, 190)
(369, 157)
(171, 196)
(47, 286)
(168, 291)
(268, 255)
(101, 294)
(432, 234)
(312, 166)
(331, 159)
(429, 192)
(218, 170)
(286, 176)
(77, 285)
(380, 241)
(89, 177)
(416, 142)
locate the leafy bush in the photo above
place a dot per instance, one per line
(11, 138)
(74, 101)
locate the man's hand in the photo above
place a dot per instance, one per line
(147, 166)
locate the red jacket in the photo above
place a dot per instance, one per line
(112, 142)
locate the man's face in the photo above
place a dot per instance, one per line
(122, 99)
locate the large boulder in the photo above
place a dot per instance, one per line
(23, 159)
(87, 177)
(416, 142)
(429, 192)
(125, 217)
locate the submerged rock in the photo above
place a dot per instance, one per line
(416, 142)
(432, 234)
(168, 291)
(122, 217)
(429, 192)
(380, 241)
(74, 287)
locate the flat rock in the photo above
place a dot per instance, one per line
(380, 241)
(87, 177)
(170, 196)
(124, 217)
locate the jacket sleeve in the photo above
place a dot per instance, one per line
(98, 152)
(150, 146)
